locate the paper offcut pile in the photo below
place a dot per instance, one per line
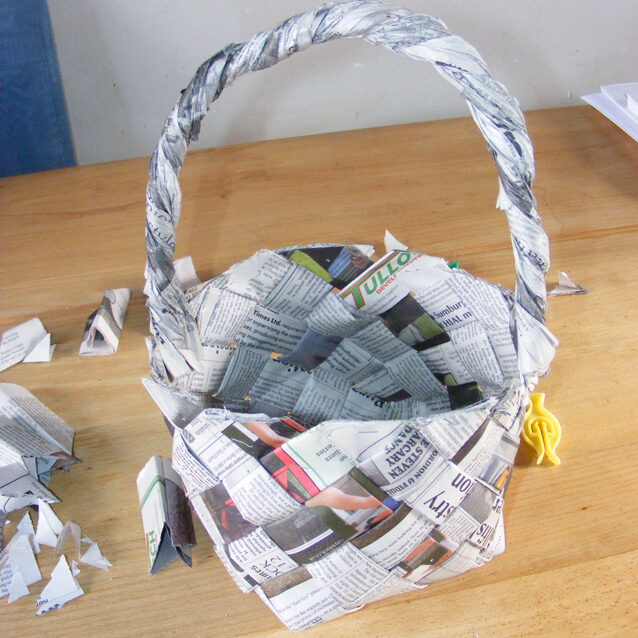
(34, 442)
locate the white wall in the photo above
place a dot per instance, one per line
(123, 63)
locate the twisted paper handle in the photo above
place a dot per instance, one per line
(416, 36)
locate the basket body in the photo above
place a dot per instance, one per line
(346, 427)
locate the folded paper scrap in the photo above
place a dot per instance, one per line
(34, 441)
(104, 325)
(61, 589)
(28, 342)
(346, 427)
(166, 516)
(566, 286)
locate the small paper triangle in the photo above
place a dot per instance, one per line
(93, 556)
(17, 587)
(40, 352)
(70, 530)
(49, 525)
(25, 527)
(392, 243)
(566, 286)
(62, 588)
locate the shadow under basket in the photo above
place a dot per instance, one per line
(346, 426)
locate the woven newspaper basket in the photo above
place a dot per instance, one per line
(346, 428)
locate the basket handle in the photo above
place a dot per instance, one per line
(416, 36)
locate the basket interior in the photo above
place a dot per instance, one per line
(322, 332)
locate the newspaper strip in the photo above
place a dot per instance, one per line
(213, 363)
(255, 558)
(197, 478)
(104, 325)
(323, 396)
(297, 292)
(254, 492)
(185, 272)
(220, 314)
(179, 408)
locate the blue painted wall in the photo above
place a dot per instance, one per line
(34, 127)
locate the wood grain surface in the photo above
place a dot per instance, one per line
(571, 564)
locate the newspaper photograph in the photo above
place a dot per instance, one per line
(305, 537)
(352, 505)
(334, 264)
(394, 539)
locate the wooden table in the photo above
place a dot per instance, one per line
(572, 531)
